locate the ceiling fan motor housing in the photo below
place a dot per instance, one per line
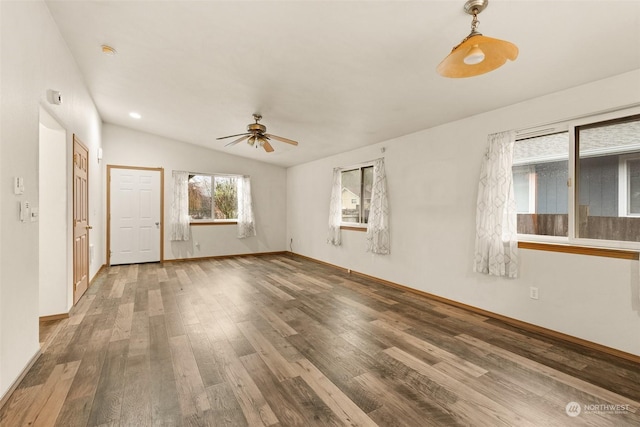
(256, 128)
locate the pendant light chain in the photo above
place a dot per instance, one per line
(474, 29)
(474, 21)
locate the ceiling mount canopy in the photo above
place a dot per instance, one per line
(476, 54)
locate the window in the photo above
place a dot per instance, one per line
(524, 184)
(356, 186)
(213, 198)
(629, 189)
(608, 163)
(581, 181)
(540, 172)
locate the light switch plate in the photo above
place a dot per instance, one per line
(18, 185)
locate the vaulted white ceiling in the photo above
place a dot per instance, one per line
(334, 75)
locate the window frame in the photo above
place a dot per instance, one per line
(624, 191)
(532, 187)
(573, 126)
(355, 226)
(213, 220)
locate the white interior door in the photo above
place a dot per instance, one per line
(135, 214)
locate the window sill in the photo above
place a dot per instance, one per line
(214, 223)
(352, 228)
(580, 250)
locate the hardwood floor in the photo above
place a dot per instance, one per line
(277, 340)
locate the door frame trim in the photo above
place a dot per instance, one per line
(108, 239)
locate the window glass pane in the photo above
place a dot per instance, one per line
(367, 185)
(521, 183)
(633, 169)
(200, 197)
(607, 180)
(540, 173)
(351, 195)
(225, 200)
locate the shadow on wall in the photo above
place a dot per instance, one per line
(182, 249)
(634, 287)
(191, 248)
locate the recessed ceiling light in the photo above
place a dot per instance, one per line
(108, 50)
(135, 115)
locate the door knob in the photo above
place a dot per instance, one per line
(89, 227)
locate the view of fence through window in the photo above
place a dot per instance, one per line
(356, 194)
(607, 190)
(540, 173)
(213, 197)
(609, 180)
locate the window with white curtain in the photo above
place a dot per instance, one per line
(359, 201)
(355, 195)
(213, 198)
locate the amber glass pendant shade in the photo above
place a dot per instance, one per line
(496, 52)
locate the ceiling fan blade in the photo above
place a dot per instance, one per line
(237, 140)
(267, 147)
(231, 136)
(279, 138)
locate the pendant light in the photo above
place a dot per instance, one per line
(476, 54)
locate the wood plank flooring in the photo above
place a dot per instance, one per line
(282, 341)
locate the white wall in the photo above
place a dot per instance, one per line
(125, 147)
(34, 58)
(53, 217)
(432, 179)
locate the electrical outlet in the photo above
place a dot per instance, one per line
(533, 292)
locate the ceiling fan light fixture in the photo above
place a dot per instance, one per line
(256, 136)
(476, 54)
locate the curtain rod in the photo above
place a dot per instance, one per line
(358, 165)
(532, 129)
(209, 173)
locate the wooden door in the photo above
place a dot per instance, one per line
(80, 219)
(135, 211)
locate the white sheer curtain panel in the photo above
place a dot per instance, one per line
(180, 228)
(378, 224)
(496, 251)
(246, 221)
(335, 215)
